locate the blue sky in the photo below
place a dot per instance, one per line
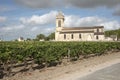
(27, 18)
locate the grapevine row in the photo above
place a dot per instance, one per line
(46, 53)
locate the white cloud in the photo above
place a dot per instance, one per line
(111, 25)
(49, 30)
(41, 20)
(30, 27)
(2, 18)
(11, 32)
(12, 27)
(76, 21)
(34, 28)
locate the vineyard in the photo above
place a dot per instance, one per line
(14, 54)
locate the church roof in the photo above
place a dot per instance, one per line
(77, 32)
(82, 30)
(79, 28)
(60, 15)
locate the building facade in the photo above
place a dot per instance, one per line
(20, 39)
(62, 33)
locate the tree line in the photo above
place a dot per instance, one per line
(46, 38)
(113, 32)
(42, 37)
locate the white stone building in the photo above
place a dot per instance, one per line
(20, 39)
(62, 33)
(111, 38)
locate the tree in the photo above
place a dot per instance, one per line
(40, 36)
(113, 32)
(51, 36)
(28, 39)
(47, 38)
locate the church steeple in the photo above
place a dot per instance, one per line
(60, 20)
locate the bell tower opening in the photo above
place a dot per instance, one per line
(59, 23)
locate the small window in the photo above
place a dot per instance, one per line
(97, 30)
(72, 36)
(97, 37)
(59, 23)
(80, 36)
(64, 36)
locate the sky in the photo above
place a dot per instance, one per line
(28, 18)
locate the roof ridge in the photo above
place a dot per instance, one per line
(84, 27)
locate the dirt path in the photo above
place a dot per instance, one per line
(108, 73)
(73, 70)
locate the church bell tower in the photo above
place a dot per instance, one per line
(59, 25)
(59, 21)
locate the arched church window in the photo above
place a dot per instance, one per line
(97, 37)
(64, 36)
(80, 36)
(59, 23)
(72, 36)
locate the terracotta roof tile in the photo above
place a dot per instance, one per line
(77, 32)
(77, 28)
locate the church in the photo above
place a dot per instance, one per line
(62, 33)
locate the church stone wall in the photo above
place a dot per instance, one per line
(84, 37)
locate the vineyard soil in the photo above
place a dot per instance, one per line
(71, 71)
